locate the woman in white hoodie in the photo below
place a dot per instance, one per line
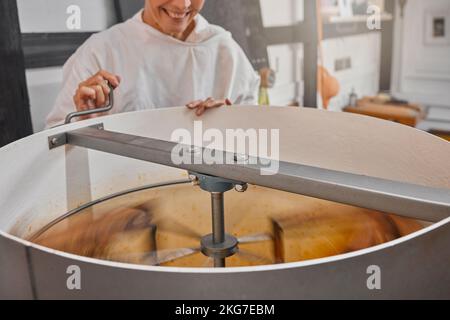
(166, 55)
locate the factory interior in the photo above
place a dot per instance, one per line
(355, 189)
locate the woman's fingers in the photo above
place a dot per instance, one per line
(94, 92)
(103, 76)
(194, 104)
(83, 97)
(100, 100)
(87, 93)
(112, 78)
(98, 80)
(200, 110)
(105, 88)
(200, 106)
(211, 103)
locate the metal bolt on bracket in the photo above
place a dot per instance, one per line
(194, 179)
(54, 141)
(241, 187)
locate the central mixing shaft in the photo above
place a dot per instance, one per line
(218, 245)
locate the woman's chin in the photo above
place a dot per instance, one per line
(175, 30)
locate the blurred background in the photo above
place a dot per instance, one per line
(384, 58)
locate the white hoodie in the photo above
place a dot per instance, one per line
(160, 71)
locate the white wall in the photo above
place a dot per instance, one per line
(364, 74)
(51, 16)
(285, 59)
(277, 13)
(422, 64)
(43, 87)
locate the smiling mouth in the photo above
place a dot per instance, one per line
(176, 15)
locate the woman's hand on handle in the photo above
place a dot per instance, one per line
(93, 93)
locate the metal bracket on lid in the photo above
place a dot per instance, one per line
(57, 141)
(60, 139)
(405, 199)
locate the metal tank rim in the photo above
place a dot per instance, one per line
(274, 267)
(234, 270)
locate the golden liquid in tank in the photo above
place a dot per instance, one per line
(163, 226)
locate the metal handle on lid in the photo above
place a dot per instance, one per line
(106, 108)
